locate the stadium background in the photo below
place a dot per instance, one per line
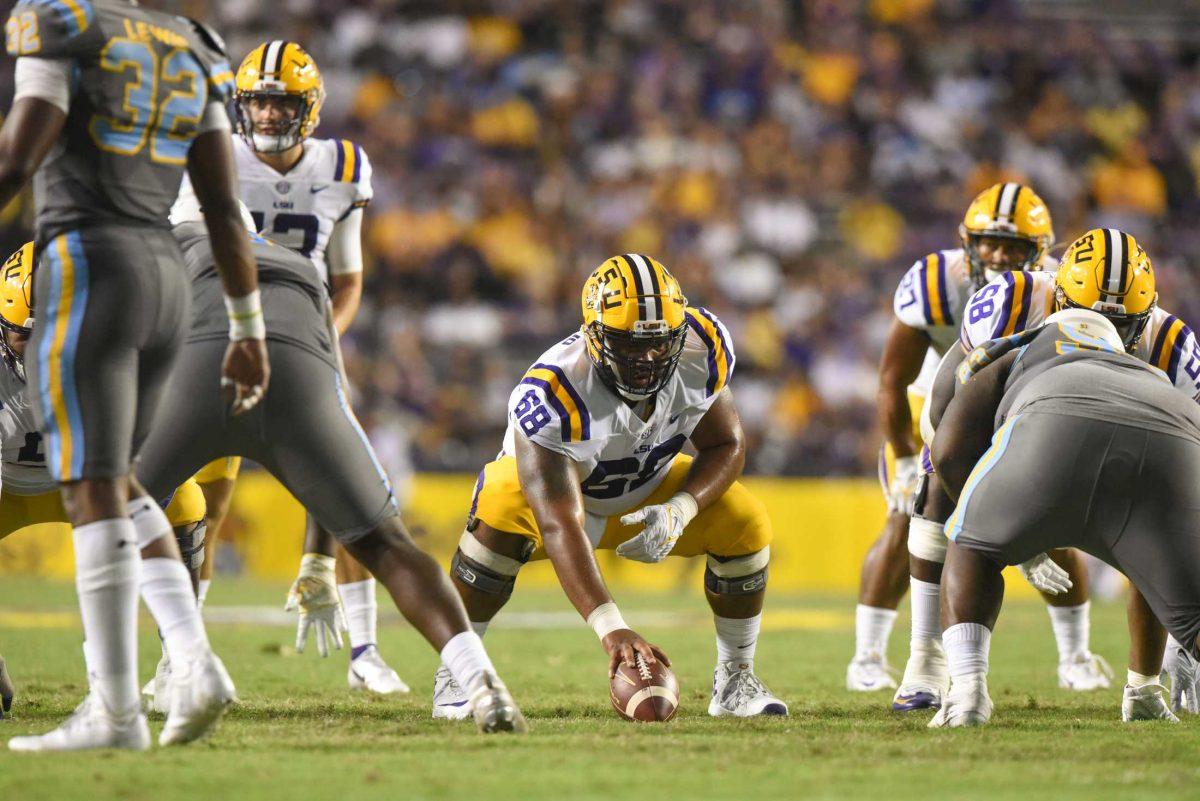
(786, 160)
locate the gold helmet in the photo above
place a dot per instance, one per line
(634, 324)
(1011, 212)
(1107, 271)
(285, 71)
(16, 306)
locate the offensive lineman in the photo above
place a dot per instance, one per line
(306, 436)
(592, 450)
(1093, 449)
(117, 101)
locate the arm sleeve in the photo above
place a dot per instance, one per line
(51, 28)
(1175, 352)
(998, 310)
(344, 252)
(47, 79)
(708, 358)
(546, 408)
(922, 300)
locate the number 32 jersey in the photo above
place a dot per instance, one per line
(561, 404)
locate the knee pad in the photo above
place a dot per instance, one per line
(927, 540)
(487, 571)
(739, 575)
(190, 539)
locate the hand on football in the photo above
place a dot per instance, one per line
(314, 595)
(1184, 673)
(623, 645)
(245, 374)
(906, 471)
(663, 526)
(1045, 575)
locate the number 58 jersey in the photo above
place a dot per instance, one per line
(561, 404)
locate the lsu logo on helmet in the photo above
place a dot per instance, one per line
(634, 324)
(1012, 212)
(16, 305)
(286, 72)
(1107, 271)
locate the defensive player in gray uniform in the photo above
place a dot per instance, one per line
(112, 103)
(305, 434)
(1093, 449)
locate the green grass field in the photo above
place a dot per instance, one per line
(298, 732)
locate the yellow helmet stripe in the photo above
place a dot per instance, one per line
(935, 300)
(573, 415)
(718, 353)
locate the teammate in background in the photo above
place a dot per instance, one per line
(1093, 449)
(117, 101)
(306, 436)
(591, 460)
(309, 195)
(1107, 271)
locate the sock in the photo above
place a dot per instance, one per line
(1071, 629)
(362, 612)
(464, 655)
(202, 592)
(872, 628)
(480, 627)
(926, 610)
(106, 577)
(167, 591)
(1136, 680)
(967, 646)
(737, 639)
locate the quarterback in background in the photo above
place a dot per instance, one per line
(591, 459)
(308, 195)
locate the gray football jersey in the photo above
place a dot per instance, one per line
(142, 82)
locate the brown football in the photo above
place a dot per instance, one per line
(645, 694)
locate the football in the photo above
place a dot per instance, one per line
(646, 694)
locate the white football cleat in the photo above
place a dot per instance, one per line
(201, 690)
(370, 673)
(1085, 672)
(967, 704)
(493, 706)
(739, 693)
(926, 678)
(449, 700)
(6, 690)
(1146, 703)
(869, 674)
(156, 695)
(89, 726)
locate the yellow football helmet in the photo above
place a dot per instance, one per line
(285, 71)
(1107, 271)
(1011, 212)
(16, 307)
(634, 324)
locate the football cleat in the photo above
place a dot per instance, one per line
(1085, 672)
(738, 692)
(201, 690)
(493, 706)
(870, 673)
(370, 673)
(6, 690)
(449, 700)
(156, 695)
(1146, 703)
(926, 678)
(89, 726)
(966, 704)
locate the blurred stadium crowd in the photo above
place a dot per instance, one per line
(787, 160)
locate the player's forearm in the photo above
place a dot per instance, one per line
(346, 295)
(32, 128)
(895, 416)
(570, 553)
(231, 250)
(714, 470)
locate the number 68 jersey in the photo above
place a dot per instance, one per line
(562, 405)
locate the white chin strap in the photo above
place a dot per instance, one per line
(276, 143)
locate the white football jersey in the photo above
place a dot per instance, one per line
(561, 404)
(21, 446)
(1015, 302)
(299, 208)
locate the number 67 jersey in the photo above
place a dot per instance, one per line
(562, 405)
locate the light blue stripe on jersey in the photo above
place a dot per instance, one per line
(77, 15)
(71, 348)
(46, 330)
(986, 462)
(362, 435)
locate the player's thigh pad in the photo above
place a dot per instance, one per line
(226, 468)
(499, 501)
(187, 505)
(19, 511)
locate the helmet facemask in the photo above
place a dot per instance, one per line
(1025, 255)
(289, 129)
(13, 340)
(1129, 326)
(638, 364)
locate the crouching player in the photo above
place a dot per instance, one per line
(591, 460)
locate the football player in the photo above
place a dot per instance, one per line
(1105, 270)
(307, 194)
(306, 436)
(591, 459)
(1093, 449)
(112, 103)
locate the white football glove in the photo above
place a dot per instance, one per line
(1184, 673)
(314, 595)
(664, 524)
(1045, 575)
(906, 471)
